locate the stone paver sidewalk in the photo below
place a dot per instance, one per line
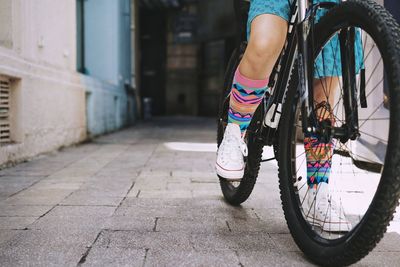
(140, 197)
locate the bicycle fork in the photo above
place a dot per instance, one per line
(310, 124)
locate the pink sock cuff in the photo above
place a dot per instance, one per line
(249, 82)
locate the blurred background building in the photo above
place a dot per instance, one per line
(185, 46)
(74, 69)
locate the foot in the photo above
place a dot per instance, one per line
(230, 156)
(324, 212)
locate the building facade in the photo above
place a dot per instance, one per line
(65, 73)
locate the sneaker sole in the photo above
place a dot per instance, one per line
(232, 175)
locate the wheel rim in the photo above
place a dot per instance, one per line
(357, 164)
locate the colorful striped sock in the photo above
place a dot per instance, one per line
(319, 160)
(246, 95)
(319, 152)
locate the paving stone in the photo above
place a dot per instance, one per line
(179, 179)
(91, 164)
(99, 256)
(187, 186)
(124, 171)
(264, 201)
(54, 185)
(68, 223)
(4, 179)
(32, 168)
(209, 225)
(389, 243)
(165, 194)
(191, 258)
(146, 172)
(75, 151)
(9, 190)
(151, 182)
(207, 194)
(189, 203)
(142, 240)
(82, 211)
(10, 185)
(38, 197)
(272, 258)
(48, 255)
(248, 225)
(133, 193)
(388, 259)
(201, 176)
(129, 223)
(44, 248)
(184, 212)
(75, 172)
(108, 188)
(266, 213)
(284, 242)
(16, 222)
(272, 221)
(6, 235)
(211, 187)
(88, 198)
(242, 241)
(265, 190)
(147, 203)
(53, 237)
(23, 210)
(69, 179)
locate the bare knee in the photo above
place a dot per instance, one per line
(268, 35)
(263, 48)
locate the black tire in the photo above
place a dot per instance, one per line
(236, 193)
(356, 244)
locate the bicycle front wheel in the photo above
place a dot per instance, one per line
(362, 87)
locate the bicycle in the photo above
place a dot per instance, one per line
(365, 132)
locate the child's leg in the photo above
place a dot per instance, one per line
(319, 153)
(268, 35)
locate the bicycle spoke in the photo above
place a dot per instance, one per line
(370, 135)
(376, 67)
(376, 109)
(368, 54)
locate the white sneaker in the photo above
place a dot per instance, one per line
(230, 162)
(323, 212)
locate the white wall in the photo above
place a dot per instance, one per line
(49, 104)
(47, 30)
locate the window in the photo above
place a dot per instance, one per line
(5, 135)
(80, 10)
(6, 23)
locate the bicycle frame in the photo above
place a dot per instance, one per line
(300, 24)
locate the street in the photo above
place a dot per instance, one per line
(147, 196)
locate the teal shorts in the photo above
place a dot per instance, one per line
(328, 61)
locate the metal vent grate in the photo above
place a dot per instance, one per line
(4, 110)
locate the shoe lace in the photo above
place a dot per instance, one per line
(231, 145)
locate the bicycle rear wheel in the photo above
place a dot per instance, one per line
(236, 192)
(364, 180)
